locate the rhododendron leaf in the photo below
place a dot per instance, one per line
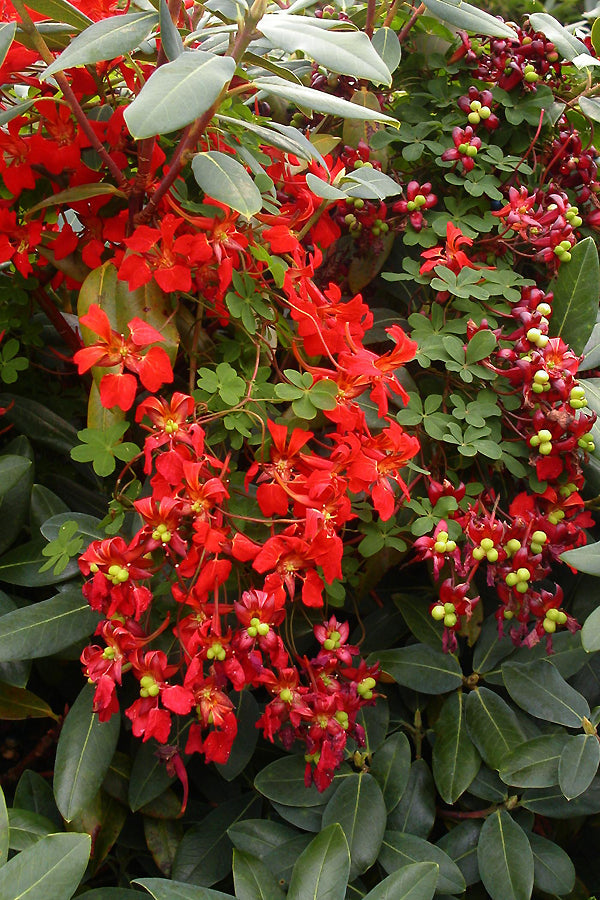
(416, 881)
(455, 760)
(85, 749)
(167, 889)
(576, 289)
(7, 33)
(18, 703)
(318, 101)
(358, 807)
(463, 15)
(178, 92)
(4, 845)
(283, 782)
(61, 11)
(400, 848)
(416, 811)
(578, 764)
(460, 844)
(422, 668)
(492, 725)
(321, 872)
(505, 858)
(105, 39)
(540, 690)
(53, 867)
(226, 180)
(386, 43)
(553, 871)
(344, 52)
(391, 768)
(253, 880)
(533, 763)
(169, 33)
(46, 627)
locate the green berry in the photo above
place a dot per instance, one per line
(438, 612)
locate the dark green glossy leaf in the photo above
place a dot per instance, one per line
(19, 703)
(541, 691)
(39, 423)
(578, 764)
(416, 616)
(46, 627)
(375, 720)
(283, 782)
(551, 801)
(413, 882)
(321, 872)
(460, 844)
(422, 668)
(85, 749)
(307, 818)
(492, 726)
(534, 763)
(12, 469)
(53, 867)
(27, 828)
(590, 633)
(35, 794)
(162, 839)
(178, 92)
(490, 649)
(282, 860)
(576, 290)
(163, 889)
(415, 812)
(505, 858)
(149, 777)
(204, 855)
(16, 497)
(391, 768)
(253, 880)
(110, 893)
(553, 871)
(455, 761)
(359, 808)
(400, 849)
(258, 837)
(44, 505)
(3, 829)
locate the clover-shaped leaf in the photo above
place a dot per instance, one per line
(102, 446)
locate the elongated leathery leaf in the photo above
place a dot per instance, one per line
(359, 808)
(178, 93)
(455, 761)
(505, 858)
(576, 291)
(106, 39)
(85, 749)
(53, 867)
(321, 872)
(541, 691)
(46, 627)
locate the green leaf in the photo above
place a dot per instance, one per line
(463, 15)
(46, 627)
(3, 829)
(492, 726)
(85, 749)
(416, 811)
(226, 180)
(422, 668)
(12, 469)
(534, 763)
(204, 855)
(344, 52)
(53, 867)
(105, 39)
(585, 559)
(253, 880)
(578, 764)
(246, 712)
(33, 793)
(178, 92)
(110, 893)
(259, 837)
(76, 194)
(455, 761)
(61, 11)
(553, 871)
(7, 33)
(18, 703)
(169, 33)
(385, 40)
(576, 291)
(590, 107)
(480, 346)
(590, 633)
(551, 802)
(39, 423)
(27, 828)
(566, 43)
(359, 808)
(319, 101)
(321, 872)
(165, 889)
(505, 858)
(460, 844)
(413, 882)
(400, 849)
(149, 777)
(391, 768)
(283, 782)
(540, 690)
